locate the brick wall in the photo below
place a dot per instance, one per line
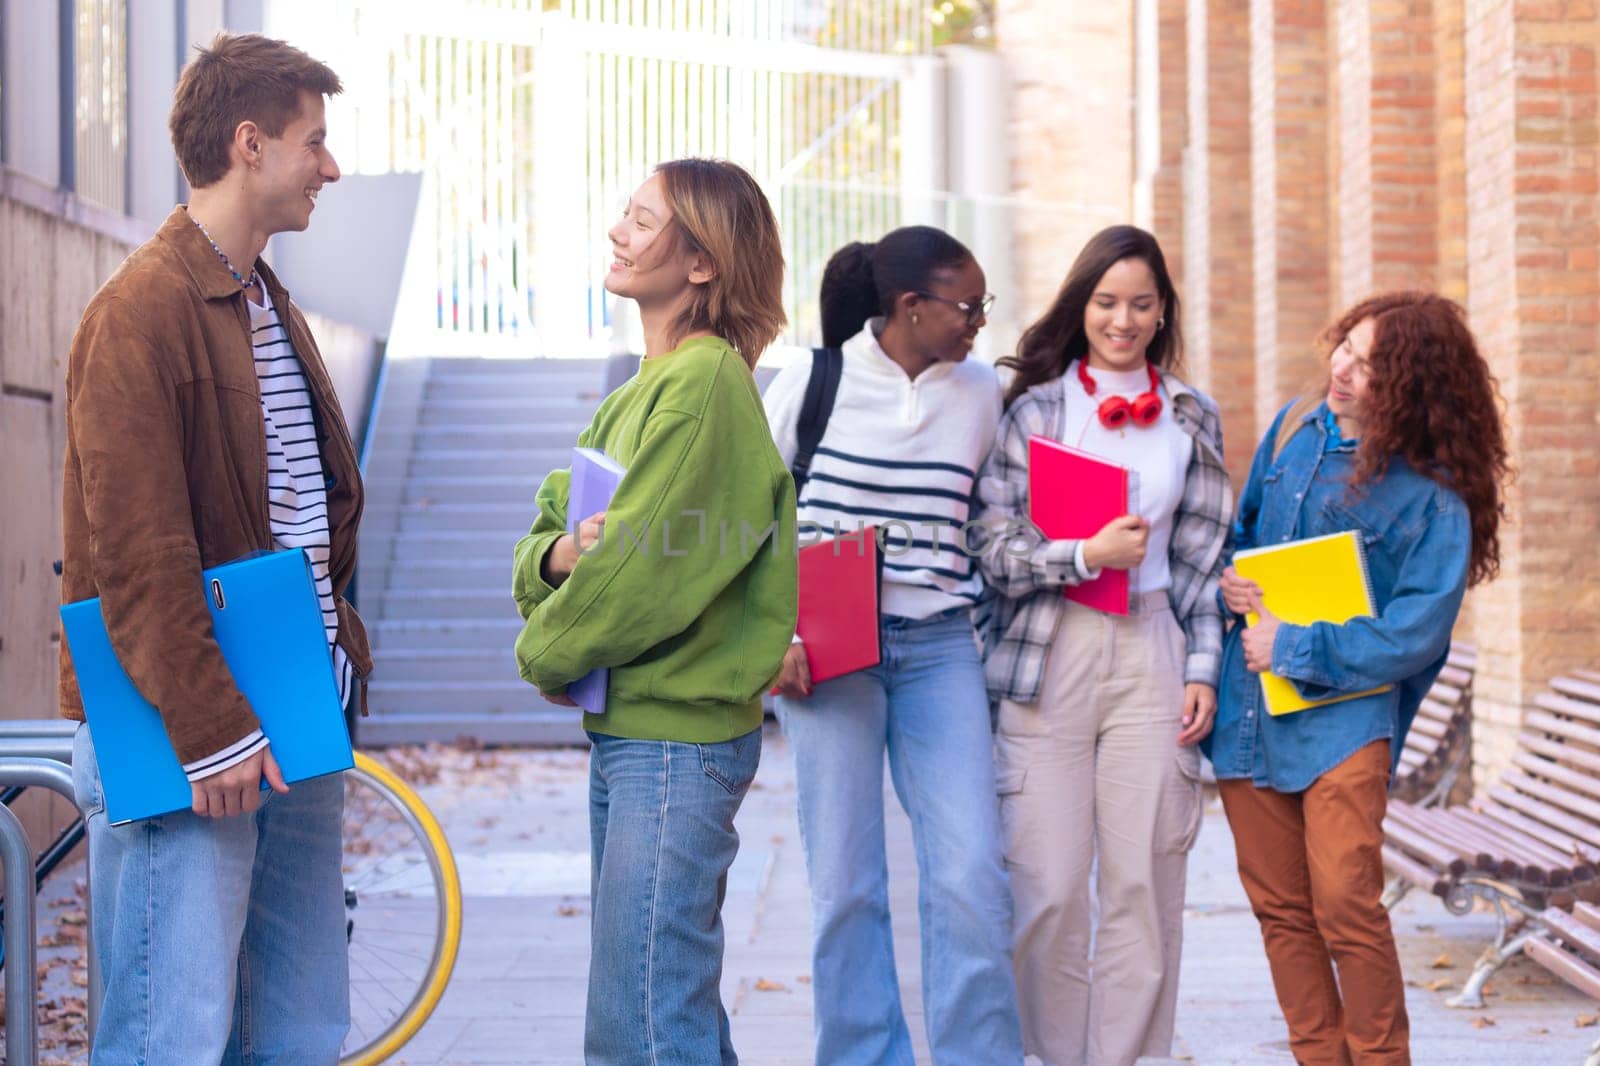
(1172, 49)
(1289, 185)
(1218, 280)
(1071, 132)
(1336, 147)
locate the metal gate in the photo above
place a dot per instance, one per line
(534, 119)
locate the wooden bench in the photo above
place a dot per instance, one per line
(1438, 750)
(1570, 949)
(1531, 843)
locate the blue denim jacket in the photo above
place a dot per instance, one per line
(1418, 542)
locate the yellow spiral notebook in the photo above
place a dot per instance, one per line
(1321, 579)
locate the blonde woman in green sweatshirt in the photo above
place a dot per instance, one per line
(685, 589)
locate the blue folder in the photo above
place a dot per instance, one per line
(595, 477)
(268, 623)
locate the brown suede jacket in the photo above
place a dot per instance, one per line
(166, 474)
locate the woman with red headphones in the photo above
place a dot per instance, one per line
(1099, 713)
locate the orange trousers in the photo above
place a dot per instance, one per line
(1312, 865)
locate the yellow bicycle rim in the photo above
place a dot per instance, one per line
(449, 899)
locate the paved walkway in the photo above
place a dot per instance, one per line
(518, 821)
(521, 833)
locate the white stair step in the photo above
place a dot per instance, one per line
(456, 634)
(466, 368)
(468, 546)
(440, 604)
(476, 462)
(529, 390)
(518, 438)
(427, 665)
(445, 574)
(550, 727)
(566, 417)
(510, 695)
(530, 467)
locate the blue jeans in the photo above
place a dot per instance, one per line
(220, 940)
(661, 841)
(926, 704)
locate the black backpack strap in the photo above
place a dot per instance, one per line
(827, 364)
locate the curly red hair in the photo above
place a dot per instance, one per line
(1433, 401)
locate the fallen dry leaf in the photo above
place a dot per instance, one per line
(1482, 1021)
(1439, 984)
(804, 979)
(567, 910)
(764, 985)
(1441, 963)
(1585, 1021)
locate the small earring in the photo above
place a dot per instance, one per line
(1161, 324)
(913, 320)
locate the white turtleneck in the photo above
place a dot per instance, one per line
(1158, 454)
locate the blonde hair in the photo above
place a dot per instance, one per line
(721, 212)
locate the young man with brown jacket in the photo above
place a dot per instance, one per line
(202, 426)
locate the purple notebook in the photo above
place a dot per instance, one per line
(595, 477)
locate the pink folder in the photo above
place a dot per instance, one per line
(839, 587)
(1071, 496)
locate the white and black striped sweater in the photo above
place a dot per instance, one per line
(297, 497)
(901, 453)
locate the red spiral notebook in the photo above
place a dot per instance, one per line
(839, 586)
(1071, 496)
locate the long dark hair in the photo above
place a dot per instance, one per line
(862, 280)
(1050, 345)
(1433, 401)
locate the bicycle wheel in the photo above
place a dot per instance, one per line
(403, 905)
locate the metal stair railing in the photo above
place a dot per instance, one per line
(34, 753)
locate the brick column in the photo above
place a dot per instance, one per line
(1071, 133)
(1386, 123)
(1218, 281)
(1166, 220)
(1533, 290)
(1289, 179)
(1450, 148)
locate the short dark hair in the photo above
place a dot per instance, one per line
(240, 77)
(862, 280)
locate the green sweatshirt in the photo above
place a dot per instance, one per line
(690, 597)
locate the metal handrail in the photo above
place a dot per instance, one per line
(54, 773)
(16, 855)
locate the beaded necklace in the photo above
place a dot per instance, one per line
(243, 284)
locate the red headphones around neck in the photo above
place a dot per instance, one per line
(1117, 411)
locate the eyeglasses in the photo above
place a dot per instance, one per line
(974, 311)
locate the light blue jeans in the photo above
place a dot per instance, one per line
(220, 940)
(925, 703)
(661, 841)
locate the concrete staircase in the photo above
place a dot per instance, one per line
(457, 453)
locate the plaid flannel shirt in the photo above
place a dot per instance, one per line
(1027, 570)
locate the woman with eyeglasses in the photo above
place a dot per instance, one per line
(911, 422)
(1100, 713)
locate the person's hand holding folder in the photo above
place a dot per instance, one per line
(794, 680)
(1120, 544)
(1259, 638)
(1239, 593)
(237, 790)
(564, 554)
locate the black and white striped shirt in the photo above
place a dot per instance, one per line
(297, 496)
